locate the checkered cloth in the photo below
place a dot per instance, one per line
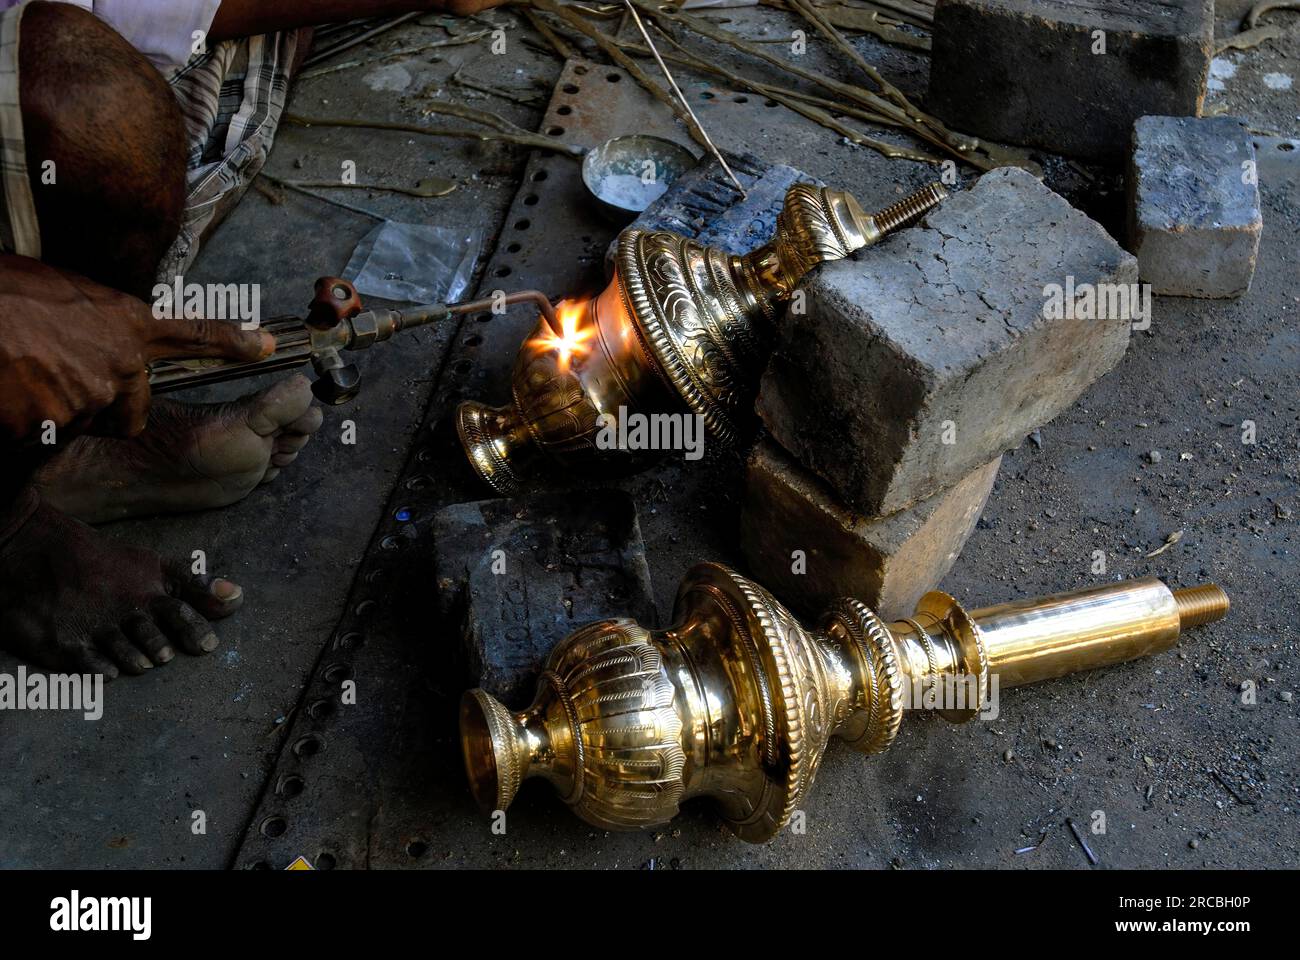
(18, 231)
(231, 95)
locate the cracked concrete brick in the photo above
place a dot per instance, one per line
(1194, 214)
(806, 547)
(1025, 71)
(928, 355)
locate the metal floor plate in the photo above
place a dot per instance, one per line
(378, 783)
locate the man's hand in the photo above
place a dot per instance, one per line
(75, 353)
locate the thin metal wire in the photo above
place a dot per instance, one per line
(677, 90)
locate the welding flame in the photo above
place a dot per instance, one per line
(569, 341)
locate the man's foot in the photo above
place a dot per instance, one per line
(189, 457)
(71, 600)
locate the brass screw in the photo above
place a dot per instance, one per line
(910, 209)
(1204, 603)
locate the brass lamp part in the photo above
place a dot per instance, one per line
(681, 328)
(737, 701)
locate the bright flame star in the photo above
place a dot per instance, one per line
(570, 341)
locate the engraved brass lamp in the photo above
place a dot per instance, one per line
(737, 701)
(681, 328)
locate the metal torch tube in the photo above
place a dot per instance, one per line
(1032, 640)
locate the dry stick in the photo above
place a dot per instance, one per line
(1259, 9)
(865, 22)
(920, 14)
(502, 129)
(1249, 38)
(882, 111)
(787, 98)
(561, 46)
(805, 10)
(400, 52)
(902, 117)
(627, 63)
(362, 37)
(316, 196)
(957, 141)
(519, 98)
(603, 11)
(717, 154)
(865, 97)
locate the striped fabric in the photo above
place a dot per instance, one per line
(231, 96)
(18, 230)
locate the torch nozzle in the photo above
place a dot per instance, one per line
(508, 300)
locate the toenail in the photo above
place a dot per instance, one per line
(208, 643)
(225, 590)
(166, 654)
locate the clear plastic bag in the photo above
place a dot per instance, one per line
(414, 263)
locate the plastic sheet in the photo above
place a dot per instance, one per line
(414, 263)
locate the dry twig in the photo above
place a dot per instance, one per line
(501, 128)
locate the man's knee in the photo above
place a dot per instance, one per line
(105, 148)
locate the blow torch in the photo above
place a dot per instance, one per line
(335, 322)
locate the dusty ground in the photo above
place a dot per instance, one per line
(1184, 773)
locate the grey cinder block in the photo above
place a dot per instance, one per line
(928, 355)
(1194, 214)
(1025, 71)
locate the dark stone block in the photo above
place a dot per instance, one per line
(1025, 71)
(703, 204)
(519, 575)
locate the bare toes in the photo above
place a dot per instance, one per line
(213, 597)
(307, 424)
(184, 626)
(271, 410)
(86, 659)
(113, 643)
(289, 443)
(147, 638)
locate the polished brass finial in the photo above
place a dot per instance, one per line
(681, 328)
(737, 701)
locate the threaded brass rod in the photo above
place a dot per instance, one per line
(910, 208)
(1203, 603)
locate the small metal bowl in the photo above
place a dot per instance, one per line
(627, 174)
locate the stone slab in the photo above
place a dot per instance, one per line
(517, 576)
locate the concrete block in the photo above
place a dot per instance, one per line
(1025, 71)
(928, 355)
(1194, 215)
(517, 576)
(886, 562)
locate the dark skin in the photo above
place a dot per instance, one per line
(73, 601)
(59, 367)
(76, 336)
